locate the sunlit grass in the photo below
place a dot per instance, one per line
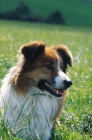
(76, 119)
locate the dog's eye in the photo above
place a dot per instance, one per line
(49, 66)
(62, 67)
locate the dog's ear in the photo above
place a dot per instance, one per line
(32, 50)
(65, 53)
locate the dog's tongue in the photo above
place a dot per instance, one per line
(61, 92)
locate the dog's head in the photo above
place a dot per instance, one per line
(45, 68)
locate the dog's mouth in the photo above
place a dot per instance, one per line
(44, 85)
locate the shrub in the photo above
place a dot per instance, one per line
(55, 17)
(22, 12)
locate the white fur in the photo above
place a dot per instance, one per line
(30, 114)
(61, 76)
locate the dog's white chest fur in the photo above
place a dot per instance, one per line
(31, 114)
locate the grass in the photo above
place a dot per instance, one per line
(76, 119)
(75, 12)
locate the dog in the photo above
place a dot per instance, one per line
(34, 91)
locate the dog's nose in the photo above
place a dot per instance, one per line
(67, 83)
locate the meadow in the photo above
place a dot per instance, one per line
(76, 118)
(75, 12)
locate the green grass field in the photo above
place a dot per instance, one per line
(75, 12)
(76, 119)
